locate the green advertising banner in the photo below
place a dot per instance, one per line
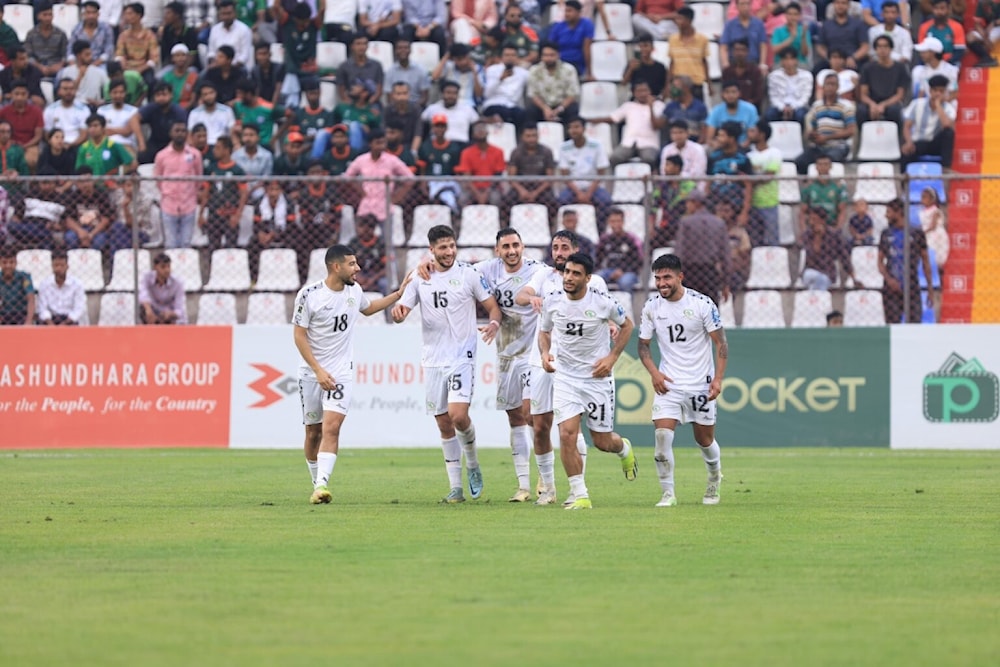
(783, 388)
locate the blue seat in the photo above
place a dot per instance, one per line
(915, 215)
(925, 175)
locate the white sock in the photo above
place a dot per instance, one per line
(547, 469)
(581, 446)
(712, 455)
(453, 461)
(520, 451)
(468, 440)
(623, 454)
(313, 470)
(664, 457)
(577, 487)
(324, 464)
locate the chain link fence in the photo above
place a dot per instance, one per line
(801, 251)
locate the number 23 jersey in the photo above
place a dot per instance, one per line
(328, 318)
(682, 331)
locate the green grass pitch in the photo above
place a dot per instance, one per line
(194, 557)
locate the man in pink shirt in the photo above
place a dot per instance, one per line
(379, 164)
(178, 199)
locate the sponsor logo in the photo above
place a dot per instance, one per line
(272, 385)
(590, 313)
(961, 391)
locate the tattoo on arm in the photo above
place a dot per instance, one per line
(724, 350)
(644, 351)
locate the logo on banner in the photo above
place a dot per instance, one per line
(272, 385)
(964, 198)
(970, 115)
(968, 156)
(961, 391)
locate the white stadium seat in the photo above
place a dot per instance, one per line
(661, 52)
(185, 264)
(875, 183)
(217, 309)
(382, 53)
(414, 256)
(586, 220)
(37, 263)
(789, 191)
(787, 228)
(769, 268)
(20, 18)
(620, 17)
(230, 271)
(480, 224)
(334, 9)
(727, 313)
(278, 271)
(87, 265)
(714, 62)
(551, 134)
(608, 60)
(786, 136)
(117, 309)
(863, 308)
(317, 266)
(426, 216)
(709, 19)
(277, 53)
(532, 223)
(879, 141)
(330, 55)
(601, 133)
(123, 267)
(633, 190)
(635, 219)
(864, 259)
(425, 54)
(762, 309)
(503, 136)
(473, 255)
(266, 308)
(462, 32)
(66, 17)
(811, 307)
(598, 99)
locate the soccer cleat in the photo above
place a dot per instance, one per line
(546, 497)
(475, 482)
(454, 496)
(321, 495)
(712, 489)
(539, 487)
(580, 504)
(570, 499)
(630, 466)
(668, 500)
(521, 496)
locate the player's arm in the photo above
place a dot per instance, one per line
(721, 357)
(378, 305)
(604, 366)
(325, 380)
(526, 297)
(545, 341)
(490, 330)
(646, 357)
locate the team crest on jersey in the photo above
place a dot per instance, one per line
(454, 282)
(688, 312)
(431, 405)
(350, 302)
(516, 280)
(590, 313)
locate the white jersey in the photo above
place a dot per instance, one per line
(682, 331)
(329, 319)
(448, 313)
(580, 330)
(517, 330)
(549, 282)
(119, 118)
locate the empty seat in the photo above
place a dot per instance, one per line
(925, 175)
(709, 19)
(330, 55)
(635, 219)
(532, 223)
(661, 52)
(381, 52)
(811, 308)
(586, 220)
(879, 141)
(727, 313)
(786, 136)
(463, 32)
(598, 99)
(787, 232)
(608, 60)
(185, 263)
(328, 95)
(230, 270)
(620, 19)
(632, 190)
(279, 271)
(66, 17)
(87, 266)
(863, 308)
(277, 52)
(425, 54)
(789, 191)
(414, 256)
(217, 309)
(769, 268)
(714, 62)
(601, 133)
(503, 136)
(480, 224)
(37, 263)
(864, 259)
(551, 134)
(762, 309)
(20, 18)
(425, 217)
(317, 266)
(117, 309)
(876, 182)
(123, 268)
(265, 308)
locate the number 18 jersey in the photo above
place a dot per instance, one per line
(682, 331)
(329, 318)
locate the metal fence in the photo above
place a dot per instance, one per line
(773, 252)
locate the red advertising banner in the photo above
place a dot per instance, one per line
(115, 387)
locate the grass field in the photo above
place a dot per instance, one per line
(181, 557)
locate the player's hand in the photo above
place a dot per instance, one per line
(660, 382)
(714, 389)
(398, 313)
(406, 281)
(425, 268)
(536, 303)
(325, 380)
(603, 367)
(490, 331)
(614, 330)
(549, 363)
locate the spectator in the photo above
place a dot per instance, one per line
(847, 79)
(67, 114)
(123, 125)
(57, 157)
(789, 89)
(269, 76)
(766, 162)
(89, 215)
(137, 49)
(359, 115)
(824, 247)
(38, 216)
(369, 250)
(829, 127)
(161, 295)
(320, 204)
(861, 226)
(902, 41)
(553, 88)
(17, 293)
(523, 37)
(619, 253)
(253, 159)
(376, 195)
(643, 67)
(12, 162)
(695, 159)
(730, 110)
(929, 125)
(746, 74)
(250, 109)
(22, 69)
(198, 140)
(299, 32)
(656, 18)
(90, 79)
(571, 223)
(425, 21)
(224, 75)
(232, 33)
(951, 34)
(883, 85)
(826, 194)
(933, 223)
(340, 155)
(530, 158)
(102, 155)
(896, 263)
(380, 19)
(178, 199)
(688, 52)
(415, 77)
(293, 161)
(480, 158)
(930, 51)
(173, 32)
(46, 44)
(485, 51)
(26, 120)
(669, 197)
(182, 78)
(739, 245)
(135, 86)
(727, 160)
(275, 225)
(873, 13)
(459, 116)
(686, 107)
(702, 244)
(8, 41)
(504, 89)
(573, 36)
(62, 300)
(835, 319)
(312, 120)
(844, 33)
(986, 26)
(394, 145)
(359, 67)
(643, 118)
(217, 118)
(438, 157)
(794, 35)
(586, 161)
(403, 110)
(481, 15)
(339, 19)
(457, 66)
(160, 115)
(747, 27)
(223, 197)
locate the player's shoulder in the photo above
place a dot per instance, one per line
(652, 301)
(311, 288)
(698, 298)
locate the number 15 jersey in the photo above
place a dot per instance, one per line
(682, 331)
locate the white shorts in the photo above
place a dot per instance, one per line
(686, 406)
(448, 385)
(315, 400)
(540, 391)
(594, 398)
(513, 382)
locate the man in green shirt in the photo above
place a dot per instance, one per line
(99, 153)
(359, 116)
(17, 293)
(12, 162)
(181, 77)
(439, 157)
(250, 11)
(766, 161)
(825, 193)
(249, 109)
(312, 120)
(135, 86)
(299, 33)
(224, 198)
(340, 155)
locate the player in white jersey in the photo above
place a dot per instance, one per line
(447, 301)
(324, 317)
(564, 244)
(687, 381)
(577, 320)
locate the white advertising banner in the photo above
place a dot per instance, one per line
(945, 392)
(387, 408)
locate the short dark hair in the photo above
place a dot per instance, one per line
(788, 52)
(246, 86)
(396, 123)
(163, 85)
(120, 83)
(438, 232)
(79, 46)
(227, 51)
(680, 124)
(742, 41)
(583, 260)
(764, 128)
(336, 253)
(675, 159)
(60, 253)
(175, 7)
(576, 119)
(889, 3)
(686, 12)
(645, 38)
(198, 127)
(669, 262)
(97, 118)
(252, 126)
(614, 211)
(887, 38)
(833, 314)
(136, 7)
(896, 203)
(18, 83)
(161, 258)
(730, 84)
(448, 83)
(795, 5)
(459, 50)
(938, 81)
(732, 128)
(225, 141)
(507, 231)
(570, 236)
(7, 252)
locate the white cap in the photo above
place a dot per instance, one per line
(180, 48)
(930, 44)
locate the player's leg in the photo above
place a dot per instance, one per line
(704, 435)
(569, 405)
(599, 400)
(460, 385)
(668, 412)
(335, 402)
(314, 434)
(311, 398)
(437, 405)
(511, 387)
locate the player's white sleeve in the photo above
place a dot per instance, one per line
(545, 323)
(411, 297)
(646, 325)
(363, 302)
(480, 286)
(616, 311)
(301, 314)
(710, 317)
(536, 282)
(597, 283)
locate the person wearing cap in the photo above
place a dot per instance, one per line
(299, 31)
(90, 79)
(230, 32)
(458, 67)
(293, 161)
(138, 49)
(161, 295)
(250, 109)
(883, 85)
(311, 120)
(181, 76)
(930, 51)
(830, 126)
(380, 19)
(459, 117)
(404, 110)
(359, 115)
(902, 40)
(47, 45)
(100, 35)
(929, 125)
(438, 157)
(359, 66)
(175, 31)
(377, 166)
(702, 244)
(178, 199)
